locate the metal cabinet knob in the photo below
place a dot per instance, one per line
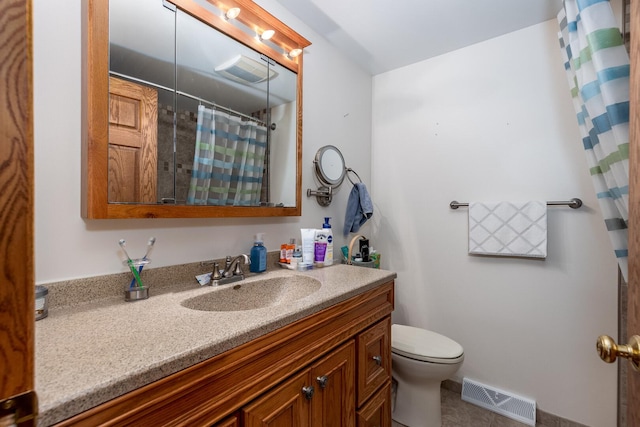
(378, 360)
(308, 392)
(608, 350)
(322, 381)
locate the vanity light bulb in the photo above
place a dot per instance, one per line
(294, 53)
(232, 13)
(267, 34)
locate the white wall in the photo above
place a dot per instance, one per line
(494, 121)
(337, 99)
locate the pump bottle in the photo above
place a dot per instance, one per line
(328, 254)
(258, 255)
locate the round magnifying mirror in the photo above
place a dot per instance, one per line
(330, 166)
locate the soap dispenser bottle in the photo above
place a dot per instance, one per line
(328, 254)
(258, 255)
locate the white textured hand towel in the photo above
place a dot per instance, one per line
(508, 228)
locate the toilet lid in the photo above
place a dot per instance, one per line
(420, 344)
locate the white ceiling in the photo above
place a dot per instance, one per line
(382, 35)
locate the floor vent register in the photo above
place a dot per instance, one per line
(502, 402)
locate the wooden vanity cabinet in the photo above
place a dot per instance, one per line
(322, 395)
(263, 382)
(325, 394)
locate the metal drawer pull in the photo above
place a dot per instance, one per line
(378, 360)
(322, 381)
(308, 392)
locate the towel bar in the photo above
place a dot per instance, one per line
(574, 203)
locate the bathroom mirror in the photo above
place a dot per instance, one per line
(329, 166)
(162, 81)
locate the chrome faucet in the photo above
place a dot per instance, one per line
(232, 271)
(228, 268)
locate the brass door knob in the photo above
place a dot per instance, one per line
(608, 350)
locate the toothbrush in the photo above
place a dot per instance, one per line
(150, 244)
(136, 276)
(122, 243)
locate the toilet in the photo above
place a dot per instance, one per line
(421, 360)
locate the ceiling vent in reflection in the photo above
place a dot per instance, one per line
(245, 70)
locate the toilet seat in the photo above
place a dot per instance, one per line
(427, 346)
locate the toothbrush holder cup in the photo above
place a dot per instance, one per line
(136, 290)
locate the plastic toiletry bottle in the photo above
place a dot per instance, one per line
(290, 248)
(328, 253)
(319, 248)
(375, 257)
(308, 245)
(323, 245)
(258, 255)
(296, 258)
(364, 249)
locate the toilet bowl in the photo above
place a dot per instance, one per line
(421, 360)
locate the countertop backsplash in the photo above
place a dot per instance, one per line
(87, 289)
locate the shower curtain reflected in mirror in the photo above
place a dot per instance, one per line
(228, 165)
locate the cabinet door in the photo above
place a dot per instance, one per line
(284, 406)
(374, 359)
(377, 411)
(334, 403)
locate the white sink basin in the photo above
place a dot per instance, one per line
(251, 295)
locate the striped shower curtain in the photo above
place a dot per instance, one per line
(228, 164)
(597, 67)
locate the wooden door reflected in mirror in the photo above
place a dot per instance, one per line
(133, 152)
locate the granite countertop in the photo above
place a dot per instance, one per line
(90, 353)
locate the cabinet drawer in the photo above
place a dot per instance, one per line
(377, 411)
(229, 422)
(374, 359)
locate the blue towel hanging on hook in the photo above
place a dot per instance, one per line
(359, 209)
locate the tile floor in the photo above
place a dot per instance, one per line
(456, 413)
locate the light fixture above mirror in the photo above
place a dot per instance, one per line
(294, 53)
(267, 34)
(232, 13)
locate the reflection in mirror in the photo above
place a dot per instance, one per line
(150, 69)
(198, 125)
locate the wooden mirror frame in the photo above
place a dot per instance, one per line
(95, 108)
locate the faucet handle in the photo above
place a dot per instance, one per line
(216, 272)
(238, 271)
(227, 270)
